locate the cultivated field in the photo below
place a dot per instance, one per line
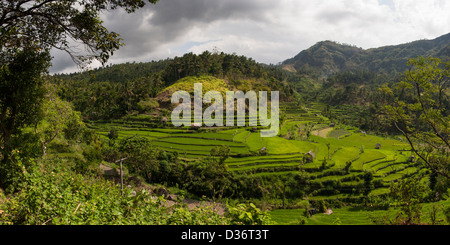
(341, 155)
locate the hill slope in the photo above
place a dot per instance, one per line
(327, 57)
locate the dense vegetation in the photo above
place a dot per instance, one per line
(116, 91)
(359, 128)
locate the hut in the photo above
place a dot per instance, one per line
(263, 151)
(164, 120)
(378, 146)
(196, 126)
(309, 157)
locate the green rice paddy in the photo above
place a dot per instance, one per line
(277, 156)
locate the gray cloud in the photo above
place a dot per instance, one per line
(61, 62)
(205, 11)
(266, 30)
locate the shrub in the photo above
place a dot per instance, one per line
(198, 216)
(447, 214)
(243, 214)
(92, 154)
(59, 196)
(13, 169)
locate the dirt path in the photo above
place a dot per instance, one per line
(323, 132)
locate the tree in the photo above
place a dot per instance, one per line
(419, 107)
(53, 23)
(368, 185)
(58, 117)
(21, 91)
(142, 157)
(28, 30)
(210, 174)
(408, 193)
(113, 135)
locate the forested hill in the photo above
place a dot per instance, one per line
(328, 57)
(118, 90)
(331, 73)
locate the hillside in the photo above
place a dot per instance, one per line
(328, 57)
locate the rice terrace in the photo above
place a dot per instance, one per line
(341, 157)
(161, 127)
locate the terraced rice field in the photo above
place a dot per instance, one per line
(277, 156)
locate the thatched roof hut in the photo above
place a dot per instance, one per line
(309, 157)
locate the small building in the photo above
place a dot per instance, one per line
(196, 126)
(412, 159)
(263, 151)
(332, 124)
(378, 146)
(309, 157)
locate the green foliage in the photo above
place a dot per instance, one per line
(447, 214)
(14, 171)
(74, 127)
(59, 117)
(141, 156)
(147, 105)
(93, 154)
(26, 22)
(420, 111)
(205, 215)
(113, 135)
(61, 197)
(117, 91)
(243, 214)
(408, 194)
(21, 91)
(210, 175)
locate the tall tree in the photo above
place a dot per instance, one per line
(29, 29)
(21, 91)
(420, 111)
(58, 117)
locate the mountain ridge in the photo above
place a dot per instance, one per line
(328, 57)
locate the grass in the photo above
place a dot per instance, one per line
(346, 216)
(367, 157)
(287, 216)
(241, 136)
(284, 156)
(255, 142)
(343, 216)
(209, 83)
(345, 154)
(338, 133)
(352, 215)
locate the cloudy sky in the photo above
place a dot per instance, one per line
(269, 31)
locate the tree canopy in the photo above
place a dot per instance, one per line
(56, 23)
(420, 111)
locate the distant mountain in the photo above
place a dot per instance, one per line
(328, 57)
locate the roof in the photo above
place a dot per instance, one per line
(311, 153)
